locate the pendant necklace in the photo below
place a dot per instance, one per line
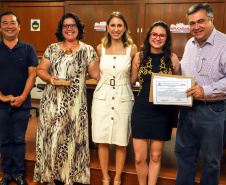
(68, 50)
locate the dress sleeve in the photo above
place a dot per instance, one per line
(92, 55)
(47, 53)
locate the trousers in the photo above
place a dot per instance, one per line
(13, 126)
(200, 128)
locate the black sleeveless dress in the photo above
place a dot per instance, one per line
(151, 121)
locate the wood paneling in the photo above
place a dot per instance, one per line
(176, 13)
(96, 11)
(224, 18)
(1, 10)
(140, 14)
(49, 15)
(182, 1)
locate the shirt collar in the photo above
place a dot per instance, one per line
(18, 45)
(2, 43)
(210, 40)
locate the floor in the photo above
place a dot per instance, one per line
(169, 161)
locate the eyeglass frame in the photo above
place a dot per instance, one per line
(72, 26)
(158, 35)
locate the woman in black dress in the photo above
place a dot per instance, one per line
(149, 121)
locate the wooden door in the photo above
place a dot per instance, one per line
(91, 12)
(49, 15)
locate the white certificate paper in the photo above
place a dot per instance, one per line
(171, 91)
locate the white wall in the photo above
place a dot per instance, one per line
(35, 92)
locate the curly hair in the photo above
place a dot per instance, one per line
(78, 22)
(126, 39)
(146, 47)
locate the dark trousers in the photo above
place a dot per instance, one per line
(200, 128)
(13, 126)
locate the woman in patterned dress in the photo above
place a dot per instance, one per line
(152, 122)
(62, 151)
(113, 97)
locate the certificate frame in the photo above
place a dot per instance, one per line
(173, 76)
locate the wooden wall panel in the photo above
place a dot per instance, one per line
(99, 11)
(1, 10)
(183, 1)
(49, 15)
(224, 18)
(176, 13)
(139, 14)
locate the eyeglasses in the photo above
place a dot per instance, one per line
(155, 36)
(66, 26)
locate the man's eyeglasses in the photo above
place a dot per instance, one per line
(66, 26)
(155, 36)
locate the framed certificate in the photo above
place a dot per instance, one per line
(170, 89)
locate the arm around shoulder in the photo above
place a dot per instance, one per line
(135, 68)
(176, 64)
(133, 51)
(99, 50)
(94, 69)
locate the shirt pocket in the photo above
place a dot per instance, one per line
(206, 67)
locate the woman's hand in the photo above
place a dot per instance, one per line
(52, 79)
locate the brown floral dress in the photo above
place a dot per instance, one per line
(62, 149)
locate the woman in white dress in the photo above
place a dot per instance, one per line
(113, 97)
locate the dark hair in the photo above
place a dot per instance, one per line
(146, 47)
(78, 22)
(9, 13)
(200, 6)
(126, 39)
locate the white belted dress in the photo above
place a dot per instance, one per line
(113, 100)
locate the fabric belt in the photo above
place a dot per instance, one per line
(199, 102)
(114, 82)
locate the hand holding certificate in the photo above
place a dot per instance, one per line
(170, 89)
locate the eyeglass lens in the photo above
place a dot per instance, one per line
(69, 25)
(155, 35)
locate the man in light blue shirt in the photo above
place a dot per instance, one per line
(202, 127)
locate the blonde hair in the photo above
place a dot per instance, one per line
(126, 39)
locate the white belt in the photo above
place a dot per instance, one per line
(114, 82)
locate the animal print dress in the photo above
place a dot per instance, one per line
(62, 149)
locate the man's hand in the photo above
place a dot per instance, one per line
(196, 91)
(7, 98)
(17, 101)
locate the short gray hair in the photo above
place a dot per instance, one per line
(200, 6)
